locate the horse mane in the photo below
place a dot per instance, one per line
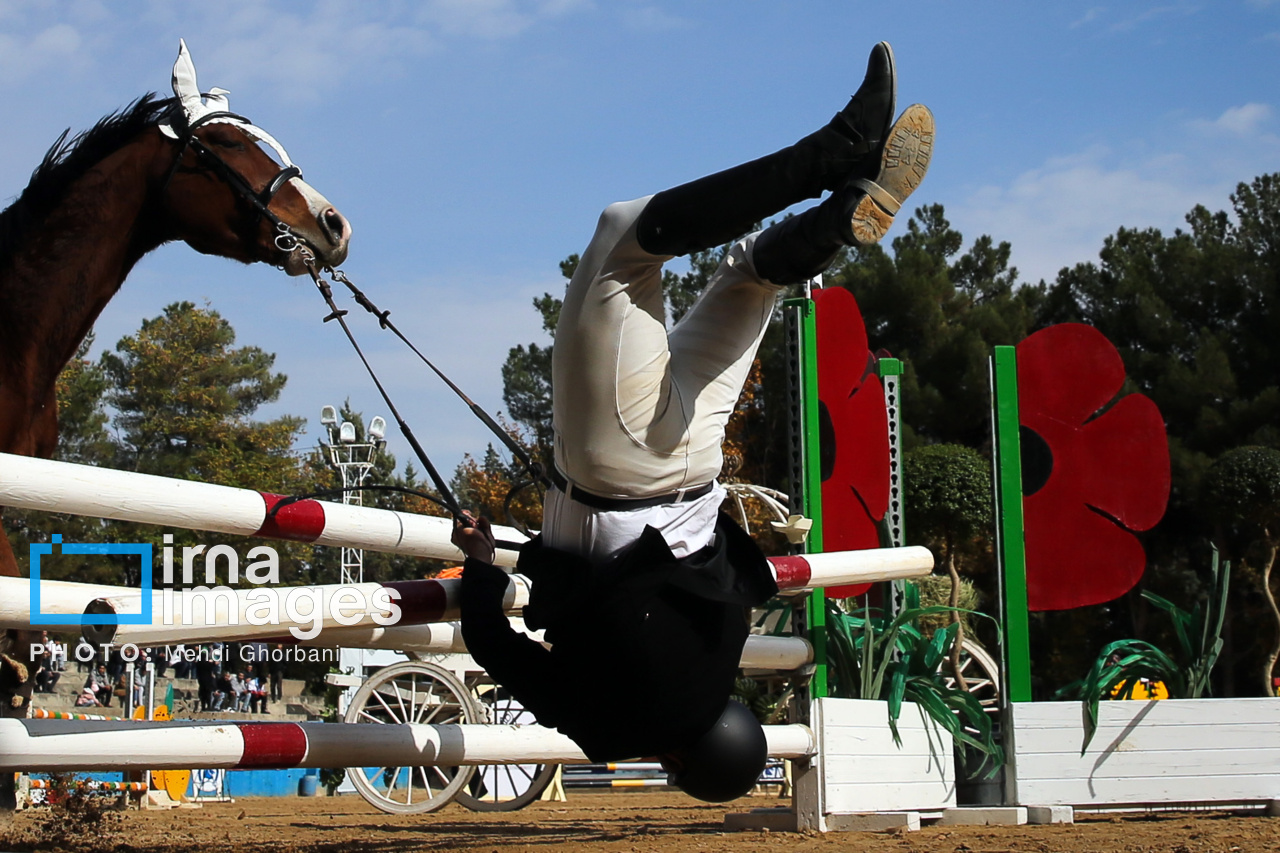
(67, 160)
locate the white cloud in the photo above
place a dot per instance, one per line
(308, 51)
(1244, 119)
(488, 19)
(1088, 17)
(1153, 13)
(493, 19)
(1117, 21)
(653, 19)
(1058, 214)
(51, 48)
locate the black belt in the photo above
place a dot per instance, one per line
(597, 502)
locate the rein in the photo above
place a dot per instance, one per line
(449, 501)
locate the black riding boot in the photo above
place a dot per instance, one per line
(713, 210)
(856, 214)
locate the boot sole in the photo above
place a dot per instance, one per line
(907, 152)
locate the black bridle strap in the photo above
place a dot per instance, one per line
(284, 176)
(449, 500)
(261, 201)
(534, 469)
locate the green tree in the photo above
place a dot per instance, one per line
(1242, 495)
(1195, 316)
(949, 509)
(82, 418)
(941, 312)
(184, 396)
(83, 438)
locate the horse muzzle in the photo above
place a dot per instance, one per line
(324, 231)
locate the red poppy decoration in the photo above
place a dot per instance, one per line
(854, 443)
(1090, 477)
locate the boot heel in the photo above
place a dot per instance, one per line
(907, 152)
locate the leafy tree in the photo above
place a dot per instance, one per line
(941, 314)
(183, 399)
(82, 419)
(486, 485)
(1242, 494)
(949, 508)
(184, 396)
(83, 438)
(526, 374)
(1195, 316)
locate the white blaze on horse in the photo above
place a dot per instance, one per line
(159, 170)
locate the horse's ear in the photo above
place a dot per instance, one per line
(184, 83)
(216, 99)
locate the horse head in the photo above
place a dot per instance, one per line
(224, 195)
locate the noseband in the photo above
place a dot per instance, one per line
(285, 240)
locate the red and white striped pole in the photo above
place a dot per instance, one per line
(420, 602)
(761, 651)
(54, 746)
(42, 484)
(66, 487)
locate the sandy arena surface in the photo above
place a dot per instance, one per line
(617, 822)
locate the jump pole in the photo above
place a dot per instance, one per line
(66, 487)
(420, 602)
(56, 746)
(761, 652)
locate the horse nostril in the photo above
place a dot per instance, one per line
(335, 224)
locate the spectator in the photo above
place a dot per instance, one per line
(115, 664)
(178, 659)
(87, 698)
(239, 693)
(160, 660)
(277, 674)
(100, 683)
(257, 693)
(224, 692)
(206, 678)
(47, 669)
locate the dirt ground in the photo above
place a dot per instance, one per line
(608, 822)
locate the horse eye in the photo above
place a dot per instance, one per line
(228, 142)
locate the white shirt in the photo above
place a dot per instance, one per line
(599, 534)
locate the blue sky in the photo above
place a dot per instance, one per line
(472, 143)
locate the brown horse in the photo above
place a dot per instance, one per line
(159, 170)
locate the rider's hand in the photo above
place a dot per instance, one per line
(475, 538)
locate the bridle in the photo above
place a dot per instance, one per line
(285, 238)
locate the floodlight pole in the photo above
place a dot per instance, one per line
(353, 460)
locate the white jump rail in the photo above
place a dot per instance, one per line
(66, 487)
(55, 746)
(761, 652)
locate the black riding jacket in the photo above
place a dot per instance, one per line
(644, 649)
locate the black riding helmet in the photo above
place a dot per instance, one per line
(724, 763)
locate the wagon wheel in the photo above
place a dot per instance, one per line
(981, 673)
(504, 787)
(411, 692)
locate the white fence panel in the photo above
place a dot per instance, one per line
(1157, 752)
